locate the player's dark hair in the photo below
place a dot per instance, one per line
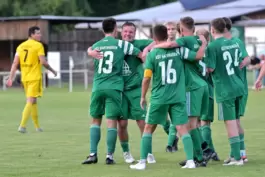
(178, 28)
(129, 24)
(32, 30)
(219, 25)
(228, 23)
(188, 22)
(160, 32)
(109, 25)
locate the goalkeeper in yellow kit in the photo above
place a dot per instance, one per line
(30, 56)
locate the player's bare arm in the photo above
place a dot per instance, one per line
(145, 86)
(46, 65)
(246, 61)
(201, 52)
(258, 82)
(94, 53)
(148, 49)
(168, 44)
(13, 71)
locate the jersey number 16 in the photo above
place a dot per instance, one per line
(168, 74)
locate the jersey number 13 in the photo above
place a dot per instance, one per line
(168, 74)
(107, 69)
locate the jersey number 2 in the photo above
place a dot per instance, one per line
(26, 55)
(168, 74)
(108, 61)
(227, 56)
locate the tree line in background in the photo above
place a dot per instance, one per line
(98, 8)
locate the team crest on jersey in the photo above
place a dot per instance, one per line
(196, 46)
(126, 69)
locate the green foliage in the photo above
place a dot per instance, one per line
(74, 7)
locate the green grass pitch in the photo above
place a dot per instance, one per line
(64, 144)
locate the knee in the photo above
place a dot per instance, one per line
(96, 122)
(149, 128)
(193, 122)
(123, 124)
(182, 129)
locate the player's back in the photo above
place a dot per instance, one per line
(193, 70)
(226, 82)
(108, 71)
(29, 52)
(243, 72)
(168, 84)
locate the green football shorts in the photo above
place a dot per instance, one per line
(243, 105)
(229, 109)
(106, 100)
(198, 102)
(131, 107)
(210, 115)
(157, 113)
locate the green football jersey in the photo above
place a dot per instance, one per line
(206, 76)
(223, 57)
(193, 73)
(244, 54)
(133, 69)
(168, 84)
(108, 71)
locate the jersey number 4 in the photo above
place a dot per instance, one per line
(227, 56)
(108, 56)
(168, 74)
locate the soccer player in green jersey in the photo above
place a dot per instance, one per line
(132, 74)
(170, 129)
(223, 58)
(196, 87)
(107, 88)
(168, 94)
(206, 120)
(243, 102)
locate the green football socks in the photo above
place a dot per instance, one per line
(125, 146)
(111, 140)
(94, 138)
(171, 135)
(188, 146)
(195, 136)
(146, 145)
(235, 147)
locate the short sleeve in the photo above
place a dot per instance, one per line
(243, 49)
(149, 62)
(181, 41)
(41, 50)
(143, 43)
(18, 51)
(128, 48)
(210, 57)
(187, 54)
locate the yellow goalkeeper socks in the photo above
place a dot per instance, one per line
(34, 115)
(26, 114)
